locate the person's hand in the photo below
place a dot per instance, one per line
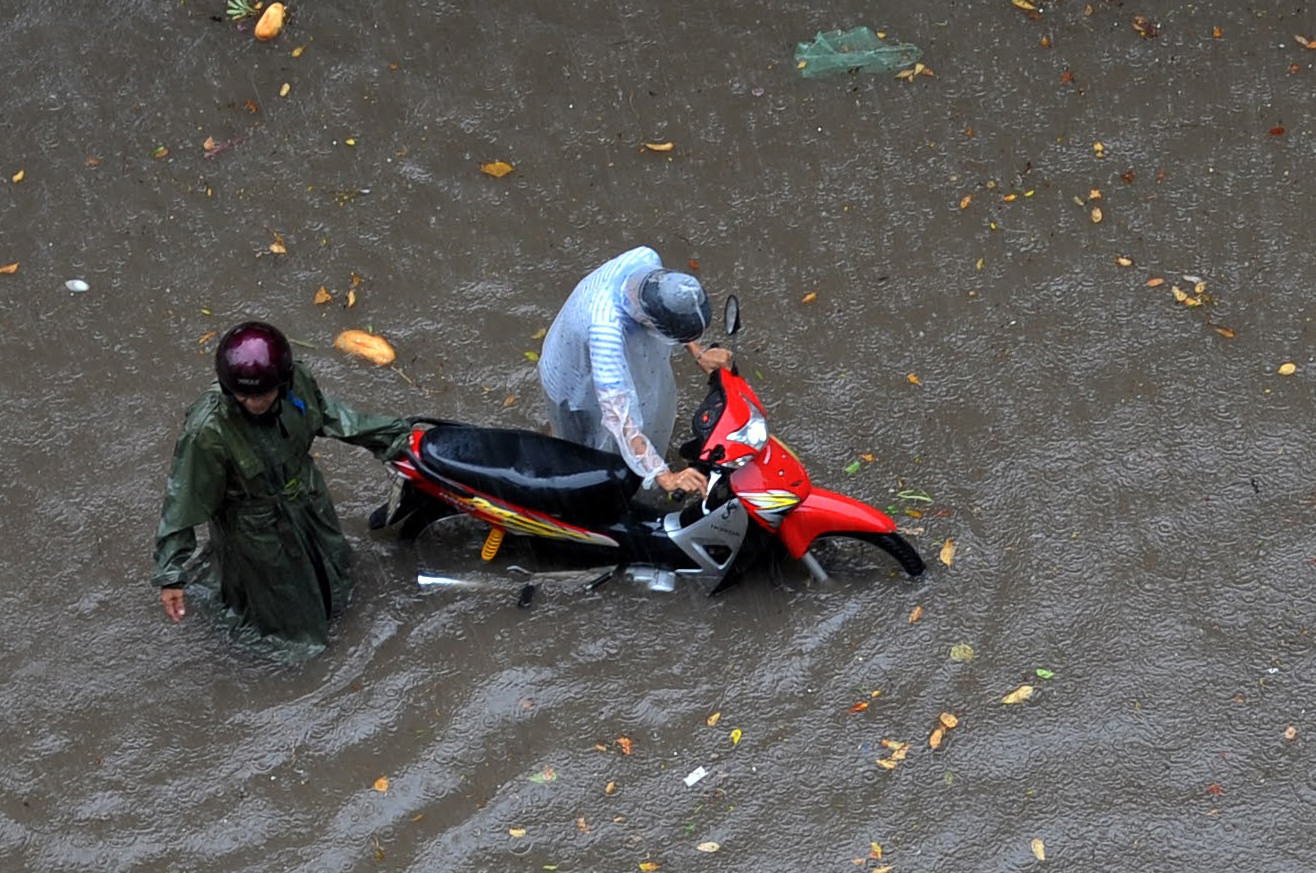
(172, 598)
(709, 360)
(688, 479)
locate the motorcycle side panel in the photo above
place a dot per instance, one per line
(772, 485)
(824, 512)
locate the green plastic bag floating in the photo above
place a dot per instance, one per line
(858, 49)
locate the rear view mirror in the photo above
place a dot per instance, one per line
(732, 316)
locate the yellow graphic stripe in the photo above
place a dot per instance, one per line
(770, 501)
(531, 526)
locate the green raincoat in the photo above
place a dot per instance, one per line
(283, 564)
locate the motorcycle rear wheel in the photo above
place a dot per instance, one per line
(849, 553)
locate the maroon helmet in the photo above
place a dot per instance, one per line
(253, 358)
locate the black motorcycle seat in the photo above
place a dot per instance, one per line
(571, 482)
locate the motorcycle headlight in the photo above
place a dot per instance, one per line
(754, 433)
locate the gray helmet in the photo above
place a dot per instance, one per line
(675, 304)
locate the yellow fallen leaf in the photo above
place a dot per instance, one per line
(1226, 332)
(648, 866)
(297, 52)
(713, 719)
(381, 784)
(1096, 215)
(1154, 281)
(884, 869)
(351, 298)
(509, 400)
(323, 295)
(934, 741)
(916, 614)
(497, 169)
(1039, 850)
(810, 297)
(1094, 194)
(1287, 369)
(947, 552)
(610, 788)
(709, 846)
(980, 264)
(18, 177)
(948, 719)
(284, 89)
(659, 146)
(270, 23)
(517, 832)
(539, 334)
(625, 743)
(1010, 198)
(201, 340)
(582, 825)
(8, 269)
(1024, 5)
(875, 851)
(277, 247)
(965, 201)
(887, 764)
(1290, 732)
(1124, 262)
(1019, 695)
(372, 347)
(735, 737)
(913, 379)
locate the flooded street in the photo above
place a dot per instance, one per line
(1044, 289)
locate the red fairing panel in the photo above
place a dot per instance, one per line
(826, 511)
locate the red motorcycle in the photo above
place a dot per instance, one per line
(759, 501)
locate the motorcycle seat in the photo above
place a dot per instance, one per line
(571, 482)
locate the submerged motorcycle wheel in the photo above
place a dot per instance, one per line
(859, 555)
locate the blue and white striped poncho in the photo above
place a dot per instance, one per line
(599, 360)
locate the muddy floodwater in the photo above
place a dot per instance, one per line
(1045, 288)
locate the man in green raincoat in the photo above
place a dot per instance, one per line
(243, 465)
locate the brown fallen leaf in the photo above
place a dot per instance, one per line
(1304, 42)
(322, 295)
(201, 340)
(1019, 695)
(659, 146)
(913, 379)
(497, 169)
(859, 707)
(1154, 281)
(947, 552)
(1225, 332)
(509, 400)
(1146, 27)
(1216, 32)
(810, 297)
(916, 614)
(625, 743)
(381, 784)
(9, 269)
(965, 201)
